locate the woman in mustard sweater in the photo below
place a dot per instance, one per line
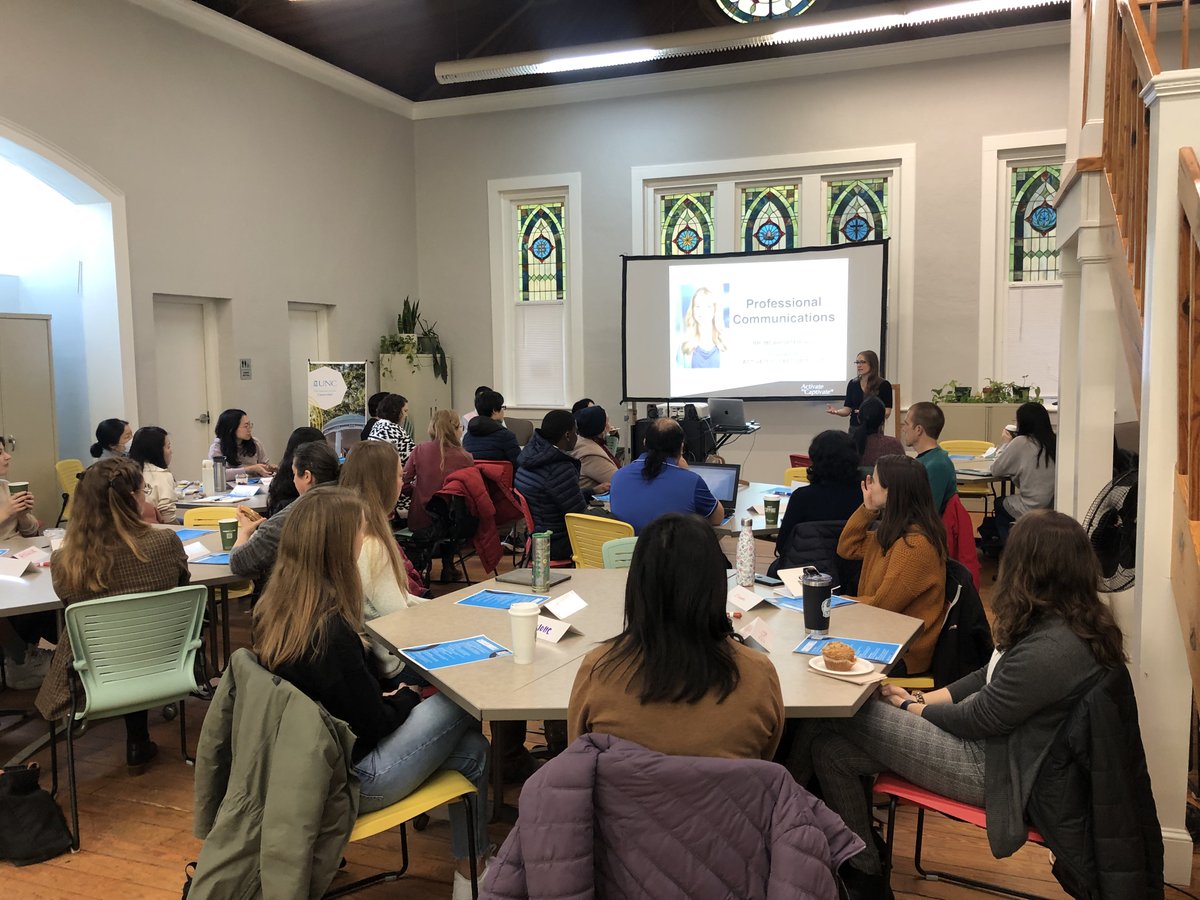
(901, 541)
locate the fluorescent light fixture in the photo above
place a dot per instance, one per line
(816, 27)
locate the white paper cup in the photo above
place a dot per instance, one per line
(523, 617)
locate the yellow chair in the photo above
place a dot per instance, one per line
(440, 788)
(912, 682)
(982, 492)
(618, 552)
(588, 535)
(68, 471)
(794, 474)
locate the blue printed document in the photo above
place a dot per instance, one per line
(455, 653)
(500, 599)
(213, 559)
(873, 651)
(603, 498)
(780, 491)
(797, 603)
(187, 534)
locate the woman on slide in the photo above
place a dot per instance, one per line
(866, 383)
(704, 341)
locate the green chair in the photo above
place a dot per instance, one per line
(618, 552)
(132, 652)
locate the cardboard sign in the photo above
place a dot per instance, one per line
(743, 598)
(759, 635)
(13, 567)
(565, 606)
(195, 550)
(553, 630)
(245, 490)
(33, 555)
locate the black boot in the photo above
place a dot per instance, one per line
(862, 885)
(138, 753)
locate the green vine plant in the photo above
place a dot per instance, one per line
(414, 335)
(992, 392)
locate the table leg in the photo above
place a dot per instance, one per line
(225, 627)
(212, 632)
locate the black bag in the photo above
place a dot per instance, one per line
(32, 827)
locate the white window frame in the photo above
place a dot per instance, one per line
(503, 196)
(810, 171)
(1000, 153)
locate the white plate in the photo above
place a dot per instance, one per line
(860, 667)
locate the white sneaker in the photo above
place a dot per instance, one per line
(462, 884)
(27, 675)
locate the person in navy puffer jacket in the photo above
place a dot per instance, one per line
(549, 479)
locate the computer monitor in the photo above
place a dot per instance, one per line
(722, 480)
(727, 413)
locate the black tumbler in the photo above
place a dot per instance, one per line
(818, 587)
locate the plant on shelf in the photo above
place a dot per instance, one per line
(992, 392)
(414, 335)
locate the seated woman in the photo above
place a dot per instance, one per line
(24, 665)
(283, 485)
(254, 551)
(236, 442)
(112, 439)
(832, 495)
(982, 739)
(904, 554)
(372, 471)
(110, 550)
(306, 630)
(869, 438)
(596, 465)
(372, 413)
(389, 427)
(1028, 459)
(430, 462)
(16, 510)
(151, 449)
(675, 680)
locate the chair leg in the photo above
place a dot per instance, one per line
(212, 632)
(890, 842)
(225, 626)
(469, 801)
(183, 744)
(379, 877)
(62, 511)
(53, 761)
(71, 783)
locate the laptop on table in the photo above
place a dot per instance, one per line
(722, 481)
(727, 413)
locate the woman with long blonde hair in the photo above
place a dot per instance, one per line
(306, 631)
(430, 463)
(372, 471)
(108, 550)
(704, 338)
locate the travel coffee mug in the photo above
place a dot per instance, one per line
(818, 587)
(524, 619)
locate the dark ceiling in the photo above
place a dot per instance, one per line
(395, 43)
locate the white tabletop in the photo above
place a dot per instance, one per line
(752, 495)
(500, 689)
(257, 502)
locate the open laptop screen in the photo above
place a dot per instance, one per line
(722, 480)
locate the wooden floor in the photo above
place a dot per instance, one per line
(136, 832)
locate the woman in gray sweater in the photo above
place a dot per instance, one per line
(982, 739)
(1028, 459)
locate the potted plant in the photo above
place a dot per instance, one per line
(414, 335)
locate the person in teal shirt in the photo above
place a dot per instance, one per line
(920, 430)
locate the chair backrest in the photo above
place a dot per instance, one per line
(523, 504)
(965, 640)
(618, 552)
(522, 429)
(964, 447)
(134, 651)
(588, 535)
(207, 516)
(68, 471)
(795, 473)
(801, 460)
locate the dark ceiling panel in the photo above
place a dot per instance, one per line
(396, 43)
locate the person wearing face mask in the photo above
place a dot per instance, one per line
(112, 439)
(151, 449)
(253, 553)
(16, 510)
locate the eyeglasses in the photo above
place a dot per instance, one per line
(860, 362)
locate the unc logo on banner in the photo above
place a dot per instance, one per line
(326, 387)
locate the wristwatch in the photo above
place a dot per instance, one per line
(919, 697)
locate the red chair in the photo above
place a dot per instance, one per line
(901, 791)
(799, 460)
(530, 528)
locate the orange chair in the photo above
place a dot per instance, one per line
(900, 791)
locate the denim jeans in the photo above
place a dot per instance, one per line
(436, 735)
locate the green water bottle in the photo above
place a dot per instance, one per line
(540, 580)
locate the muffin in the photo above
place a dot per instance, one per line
(838, 657)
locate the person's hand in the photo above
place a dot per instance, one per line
(868, 501)
(1005, 436)
(15, 505)
(894, 694)
(602, 488)
(829, 409)
(258, 470)
(248, 521)
(401, 687)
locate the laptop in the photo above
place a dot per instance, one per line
(727, 413)
(722, 480)
(525, 577)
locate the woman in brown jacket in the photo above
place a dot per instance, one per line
(110, 550)
(899, 536)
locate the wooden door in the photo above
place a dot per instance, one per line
(27, 408)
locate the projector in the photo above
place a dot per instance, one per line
(677, 407)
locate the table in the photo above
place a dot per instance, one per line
(752, 495)
(978, 470)
(500, 690)
(258, 503)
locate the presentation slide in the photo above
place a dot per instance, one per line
(755, 326)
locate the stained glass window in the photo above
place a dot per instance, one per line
(769, 217)
(541, 251)
(1032, 223)
(757, 10)
(857, 210)
(686, 223)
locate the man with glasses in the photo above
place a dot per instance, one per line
(486, 436)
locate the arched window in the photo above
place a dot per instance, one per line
(769, 218)
(541, 257)
(857, 210)
(687, 224)
(1033, 221)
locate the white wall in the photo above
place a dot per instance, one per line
(10, 286)
(944, 107)
(240, 179)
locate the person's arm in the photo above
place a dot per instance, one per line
(570, 497)
(577, 707)
(382, 593)
(353, 693)
(885, 397)
(511, 450)
(410, 472)
(853, 542)
(164, 498)
(254, 557)
(841, 411)
(599, 469)
(777, 714)
(1011, 457)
